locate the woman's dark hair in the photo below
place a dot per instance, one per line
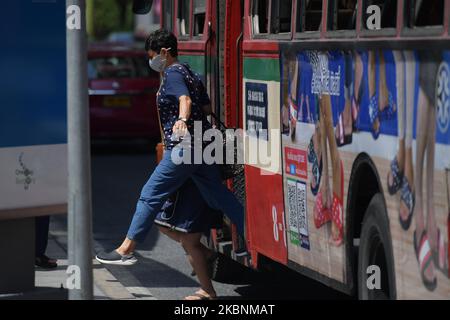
(162, 39)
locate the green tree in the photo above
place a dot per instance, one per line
(110, 16)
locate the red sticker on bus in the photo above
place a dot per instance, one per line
(296, 162)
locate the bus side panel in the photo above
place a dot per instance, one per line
(265, 212)
(412, 89)
(264, 188)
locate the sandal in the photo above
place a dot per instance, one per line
(293, 106)
(321, 214)
(409, 199)
(316, 167)
(337, 212)
(355, 107)
(388, 113)
(425, 258)
(198, 296)
(341, 137)
(397, 177)
(293, 114)
(45, 262)
(311, 152)
(317, 174)
(373, 115)
(355, 112)
(439, 255)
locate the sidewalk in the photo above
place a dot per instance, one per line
(51, 284)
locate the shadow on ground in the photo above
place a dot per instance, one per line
(151, 273)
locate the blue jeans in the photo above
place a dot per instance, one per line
(167, 178)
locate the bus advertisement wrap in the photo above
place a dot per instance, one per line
(392, 107)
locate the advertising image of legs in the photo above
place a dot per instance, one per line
(429, 244)
(315, 106)
(377, 100)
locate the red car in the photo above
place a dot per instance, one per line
(122, 93)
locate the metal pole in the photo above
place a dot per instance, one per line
(80, 205)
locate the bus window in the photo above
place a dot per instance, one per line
(199, 17)
(168, 9)
(309, 15)
(388, 12)
(183, 17)
(425, 13)
(281, 16)
(342, 15)
(260, 16)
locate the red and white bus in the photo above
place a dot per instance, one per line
(359, 94)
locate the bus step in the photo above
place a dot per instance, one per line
(225, 247)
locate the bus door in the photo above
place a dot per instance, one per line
(208, 36)
(230, 24)
(223, 65)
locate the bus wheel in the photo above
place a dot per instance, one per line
(376, 272)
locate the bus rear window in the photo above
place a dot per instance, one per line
(260, 16)
(425, 13)
(342, 15)
(388, 9)
(281, 16)
(309, 15)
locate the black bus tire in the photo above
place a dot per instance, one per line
(375, 249)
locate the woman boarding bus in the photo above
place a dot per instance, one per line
(354, 97)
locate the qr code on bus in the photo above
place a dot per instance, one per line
(301, 201)
(294, 236)
(302, 215)
(292, 203)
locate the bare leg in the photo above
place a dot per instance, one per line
(334, 153)
(126, 247)
(294, 79)
(325, 187)
(191, 243)
(400, 84)
(372, 84)
(347, 120)
(422, 137)
(293, 94)
(431, 219)
(420, 159)
(371, 73)
(300, 108)
(383, 101)
(285, 91)
(174, 235)
(358, 75)
(410, 75)
(344, 128)
(308, 111)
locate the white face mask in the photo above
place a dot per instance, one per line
(157, 63)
